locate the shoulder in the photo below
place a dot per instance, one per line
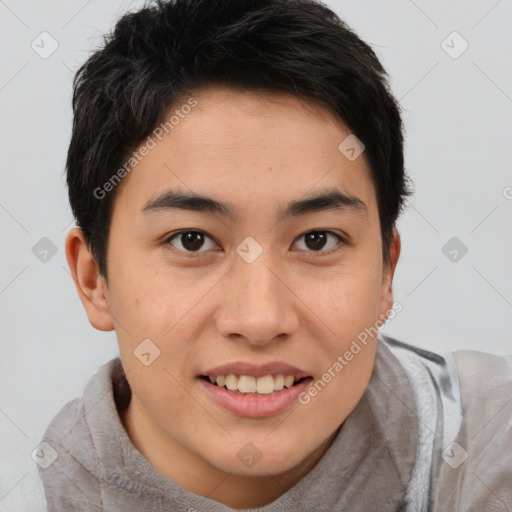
(477, 462)
(474, 369)
(471, 464)
(435, 379)
(69, 431)
(69, 467)
(68, 480)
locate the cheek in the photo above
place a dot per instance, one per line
(349, 300)
(143, 299)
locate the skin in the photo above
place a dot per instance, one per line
(293, 303)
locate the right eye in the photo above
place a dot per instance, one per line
(190, 241)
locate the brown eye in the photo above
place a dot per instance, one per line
(317, 241)
(190, 241)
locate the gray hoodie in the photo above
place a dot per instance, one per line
(429, 434)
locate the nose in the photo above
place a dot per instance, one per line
(258, 305)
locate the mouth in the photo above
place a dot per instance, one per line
(254, 392)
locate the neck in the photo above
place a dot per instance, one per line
(196, 475)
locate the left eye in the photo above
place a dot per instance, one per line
(318, 240)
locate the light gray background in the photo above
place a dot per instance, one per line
(458, 118)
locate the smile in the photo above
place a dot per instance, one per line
(254, 391)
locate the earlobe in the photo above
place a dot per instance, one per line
(387, 278)
(90, 285)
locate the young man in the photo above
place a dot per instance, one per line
(236, 172)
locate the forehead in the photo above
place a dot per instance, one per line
(220, 141)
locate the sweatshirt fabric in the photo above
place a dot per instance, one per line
(429, 434)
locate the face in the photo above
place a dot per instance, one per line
(263, 279)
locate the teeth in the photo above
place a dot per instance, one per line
(249, 384)
(232, 382)
(265, 385)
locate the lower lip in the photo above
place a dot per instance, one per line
(252, 406)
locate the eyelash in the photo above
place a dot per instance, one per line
(186, 253)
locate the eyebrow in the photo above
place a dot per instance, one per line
(326, 200)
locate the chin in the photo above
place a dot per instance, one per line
(259, 459)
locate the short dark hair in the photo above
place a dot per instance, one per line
(169, 49)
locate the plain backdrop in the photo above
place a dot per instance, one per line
(454, 277)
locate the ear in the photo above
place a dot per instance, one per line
(90, 285)
(386, 301)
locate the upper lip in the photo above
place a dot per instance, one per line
(257, 370)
